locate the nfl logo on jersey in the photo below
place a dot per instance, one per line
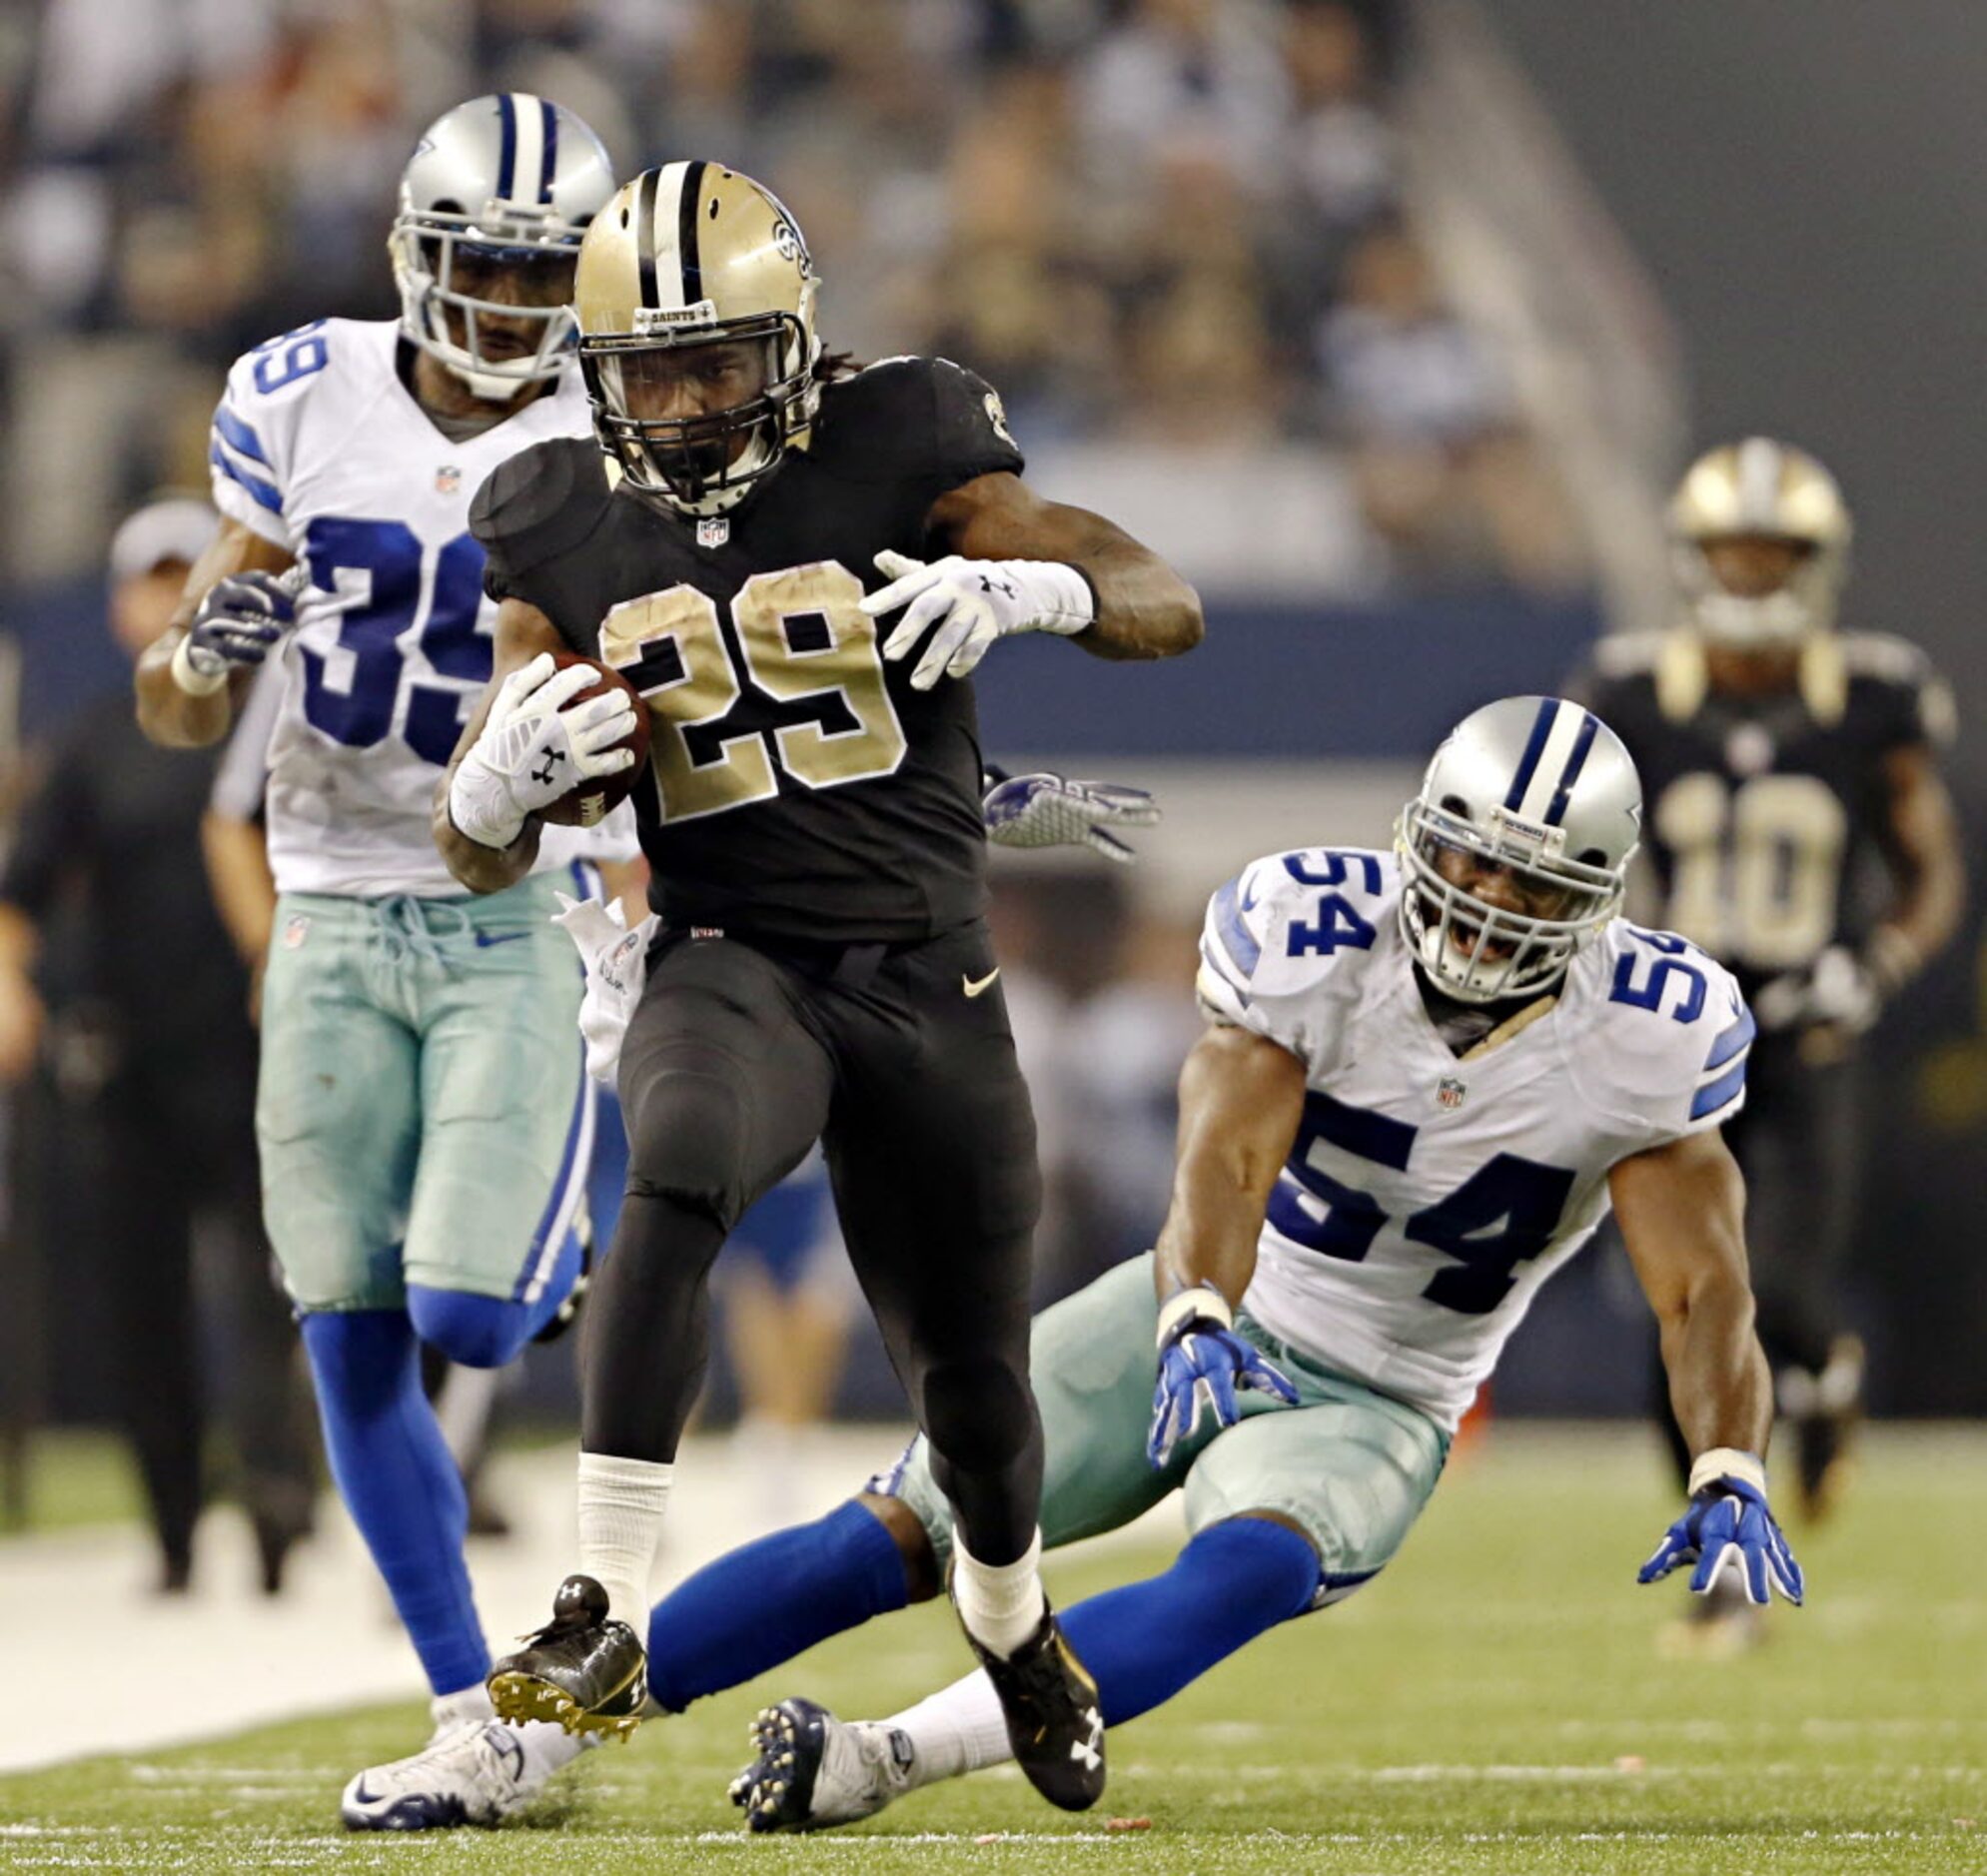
(448, 478)
(1450, 1092)
(713, 531)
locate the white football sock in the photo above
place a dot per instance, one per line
(620, 1529)
(1002, 1604)
(956, 1731)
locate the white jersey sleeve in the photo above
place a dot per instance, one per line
(1667, 1057)
(1284, 943)
(253, 447)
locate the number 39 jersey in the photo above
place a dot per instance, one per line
(798, 786)
(1428, 1197)
(320, 447)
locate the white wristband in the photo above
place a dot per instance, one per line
(1201, 1300)
(1728, 1463)
(1063, 599)
(195, 684)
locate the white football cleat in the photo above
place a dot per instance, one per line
(474, 1771)
(813, 1770)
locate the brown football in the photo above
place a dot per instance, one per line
(587, 803)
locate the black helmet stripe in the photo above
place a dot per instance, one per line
(687, 199)
(645, 237)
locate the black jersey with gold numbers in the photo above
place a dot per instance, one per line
(1765, 817)
(799, 787)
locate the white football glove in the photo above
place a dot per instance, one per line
(1838, 988)
(1053, 811)
(971, 603)
(531, 749)
(616, 961)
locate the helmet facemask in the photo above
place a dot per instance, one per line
(439, 256)
(1478, 951)
(1801, 603)
(757, 374)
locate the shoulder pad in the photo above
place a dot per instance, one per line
(1628, 654)
(540, 503)
(1662, 1050)
(1289, 935)
(1884, 656)
(920, 417)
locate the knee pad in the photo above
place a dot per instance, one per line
(473, 1331)
(687, 1135)
(978, 1413)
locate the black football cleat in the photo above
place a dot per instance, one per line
(580, 1671)
(811, 1771)
(1054, 1723)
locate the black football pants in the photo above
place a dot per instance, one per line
(900, 1059)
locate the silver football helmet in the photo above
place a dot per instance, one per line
(497, 194)
(1515, 852)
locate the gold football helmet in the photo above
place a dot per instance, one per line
(695, 295)
(1760, 491)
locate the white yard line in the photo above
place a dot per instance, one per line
(114, 1669)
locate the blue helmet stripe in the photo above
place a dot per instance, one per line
(551, 146)
(507, 162)
(1542, 728)
(1556, 812)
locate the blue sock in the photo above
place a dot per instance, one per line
(765, 1602)
(398, 1482)
(1146, 1641)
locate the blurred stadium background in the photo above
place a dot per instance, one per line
(1391, 321)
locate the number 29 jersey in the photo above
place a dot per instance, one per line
(320, 447)
(1429, 1197)
(799, 787)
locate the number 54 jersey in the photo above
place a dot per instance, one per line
(320, 447)
(1428, 1197)
(799, 788)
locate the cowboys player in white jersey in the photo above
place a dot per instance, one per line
(1427, 1076)
(425, 1124)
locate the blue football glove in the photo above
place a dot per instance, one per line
(1052, 811)
(1728, 1524)
(238, 621)
(1204, 1363)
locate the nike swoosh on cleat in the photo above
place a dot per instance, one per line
(973, 987)
(484, 939)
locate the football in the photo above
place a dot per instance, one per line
(587, 803)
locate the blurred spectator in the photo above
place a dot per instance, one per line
(149, 1051)
(1443, 474)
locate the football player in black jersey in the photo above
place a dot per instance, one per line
(1799, 831)
(794, 563)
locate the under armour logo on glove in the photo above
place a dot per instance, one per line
(542, 777)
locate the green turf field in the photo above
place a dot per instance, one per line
(1495, 1702)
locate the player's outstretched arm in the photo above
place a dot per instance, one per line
(1016, 564)
(523, 634)
(190, 679)
(1241, 1099)
(1682, 1209)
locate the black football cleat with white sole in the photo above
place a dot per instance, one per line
(580, 1671)
(1054, 1723)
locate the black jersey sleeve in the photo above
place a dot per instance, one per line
(1906, 700)
(534, 507)
(969, 433)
